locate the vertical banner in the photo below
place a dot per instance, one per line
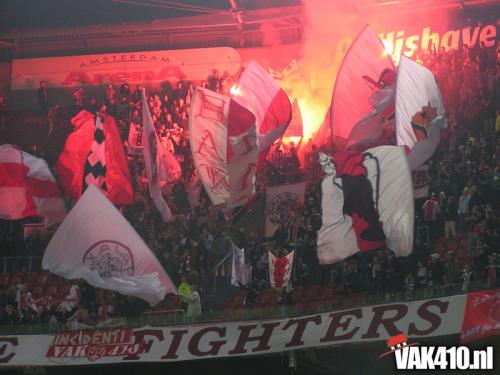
(134, 146)
(281, 203)
(280, 269)
(239, 269)
(482, 316)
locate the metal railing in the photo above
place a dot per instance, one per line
(162, 317)
(28, 264)
(166, 318)
(213, 273)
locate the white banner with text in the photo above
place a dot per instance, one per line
(424, 318)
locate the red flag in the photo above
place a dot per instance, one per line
(27, 187)
(482, 316)
(70, 166)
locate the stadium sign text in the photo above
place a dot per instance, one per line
(398, 42)
(434, 317)
(153, 67)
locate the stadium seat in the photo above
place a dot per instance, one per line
(297, 294)
(311, 292)
(63, 290)
(41, 279)
(451, 244)
(51, 290)
(326, 293)
(463, 240)
(37, 291)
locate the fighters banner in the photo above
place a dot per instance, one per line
(281, 203)
(482, 316)
(424, 318)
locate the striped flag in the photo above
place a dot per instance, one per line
(94, 171)
(153, 154)
(93, 155)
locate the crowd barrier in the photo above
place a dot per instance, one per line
(166, 318)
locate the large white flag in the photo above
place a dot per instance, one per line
(153, 156)
(27, 187)
(208, 140)
(389, 175)
(96, 243)
(417, 88)
(280, 269)
(224, 146)
(366, 72)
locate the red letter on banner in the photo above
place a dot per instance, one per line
(12, 341)
(388, 323)
(193, 346)
(139, 337)
(424, 312)
(336, 324)
(176, 341)
(301, 326)
(263, 340)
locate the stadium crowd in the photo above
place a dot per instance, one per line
(456, 241)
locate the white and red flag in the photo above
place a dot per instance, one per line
(420, 113)
(363, 95)
(280, 269)
(159, 163)
(105, 159)
(223, 142)
(258, 92)
(27, 187)
(96, 243)
(367, 203)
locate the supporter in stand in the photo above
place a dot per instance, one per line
(193, 301)
(43, 97)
